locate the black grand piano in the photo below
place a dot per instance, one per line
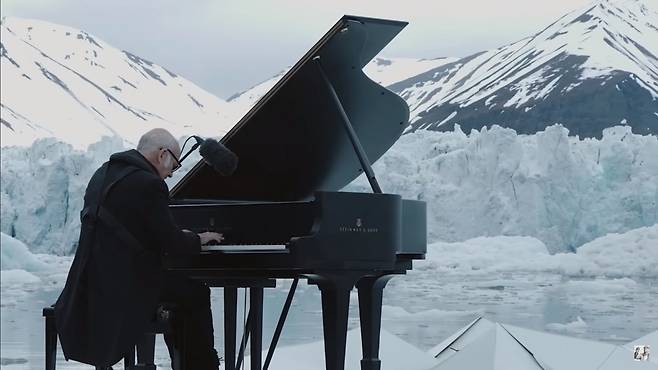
(282, 214)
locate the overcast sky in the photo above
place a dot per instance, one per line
(227, 46)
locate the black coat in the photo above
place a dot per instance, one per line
(112, 289)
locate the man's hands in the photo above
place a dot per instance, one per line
(208, 236)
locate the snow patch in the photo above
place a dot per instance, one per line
(576, 326)
(16, 277)
(387, 71)
(15, 255)
(450, 116)
(622, 254)
(23, 272)
(398, 313)
(632, 254)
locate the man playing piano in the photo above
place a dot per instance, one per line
(116, 280)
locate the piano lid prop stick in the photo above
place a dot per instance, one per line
(360, 153)
(279, 325)
(243, 343)
(245, 333)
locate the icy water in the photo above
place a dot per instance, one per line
(419, 308)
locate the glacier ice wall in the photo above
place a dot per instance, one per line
(559, 189)
(43, 188)
(42, 191)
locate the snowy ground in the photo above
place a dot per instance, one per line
(547, 192)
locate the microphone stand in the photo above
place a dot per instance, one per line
(198, 143)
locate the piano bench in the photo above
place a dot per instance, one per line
(144, 348)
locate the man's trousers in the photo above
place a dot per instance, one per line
(193, 301)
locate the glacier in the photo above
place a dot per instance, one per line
(42, 191)
(559, 189)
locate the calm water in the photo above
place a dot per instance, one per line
(421, 309)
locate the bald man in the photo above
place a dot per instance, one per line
(117, 280)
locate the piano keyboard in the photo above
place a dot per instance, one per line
(244, 248)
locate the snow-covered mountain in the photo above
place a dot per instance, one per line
(591, 69)
(65, 83)
(384, 71)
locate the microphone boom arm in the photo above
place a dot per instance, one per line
(196, 145)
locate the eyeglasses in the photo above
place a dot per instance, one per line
(178, 164)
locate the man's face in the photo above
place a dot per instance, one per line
(167, 161)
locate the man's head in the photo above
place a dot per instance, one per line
(160, 148)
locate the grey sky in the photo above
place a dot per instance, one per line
(229, 45)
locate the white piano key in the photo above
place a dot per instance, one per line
(243, 248)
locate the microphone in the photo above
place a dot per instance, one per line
(219, 157)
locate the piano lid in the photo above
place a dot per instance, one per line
(293, 142)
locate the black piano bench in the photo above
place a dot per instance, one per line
(164, 322)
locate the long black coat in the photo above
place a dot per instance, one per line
(112, 289)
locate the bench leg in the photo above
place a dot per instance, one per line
(51, 343)
(179, 357)
(146, 351)
(129, 359)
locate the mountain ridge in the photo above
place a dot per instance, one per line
(592, 68)
(66, 83)
(563, 64)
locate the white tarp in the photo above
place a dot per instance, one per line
(394, 353)
(483, 345)
(562, 352)
(487, 345)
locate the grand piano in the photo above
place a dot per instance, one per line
(282, 212)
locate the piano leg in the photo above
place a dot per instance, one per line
(230, 317)
(256, 309)
(335, 308)
(370, 312)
